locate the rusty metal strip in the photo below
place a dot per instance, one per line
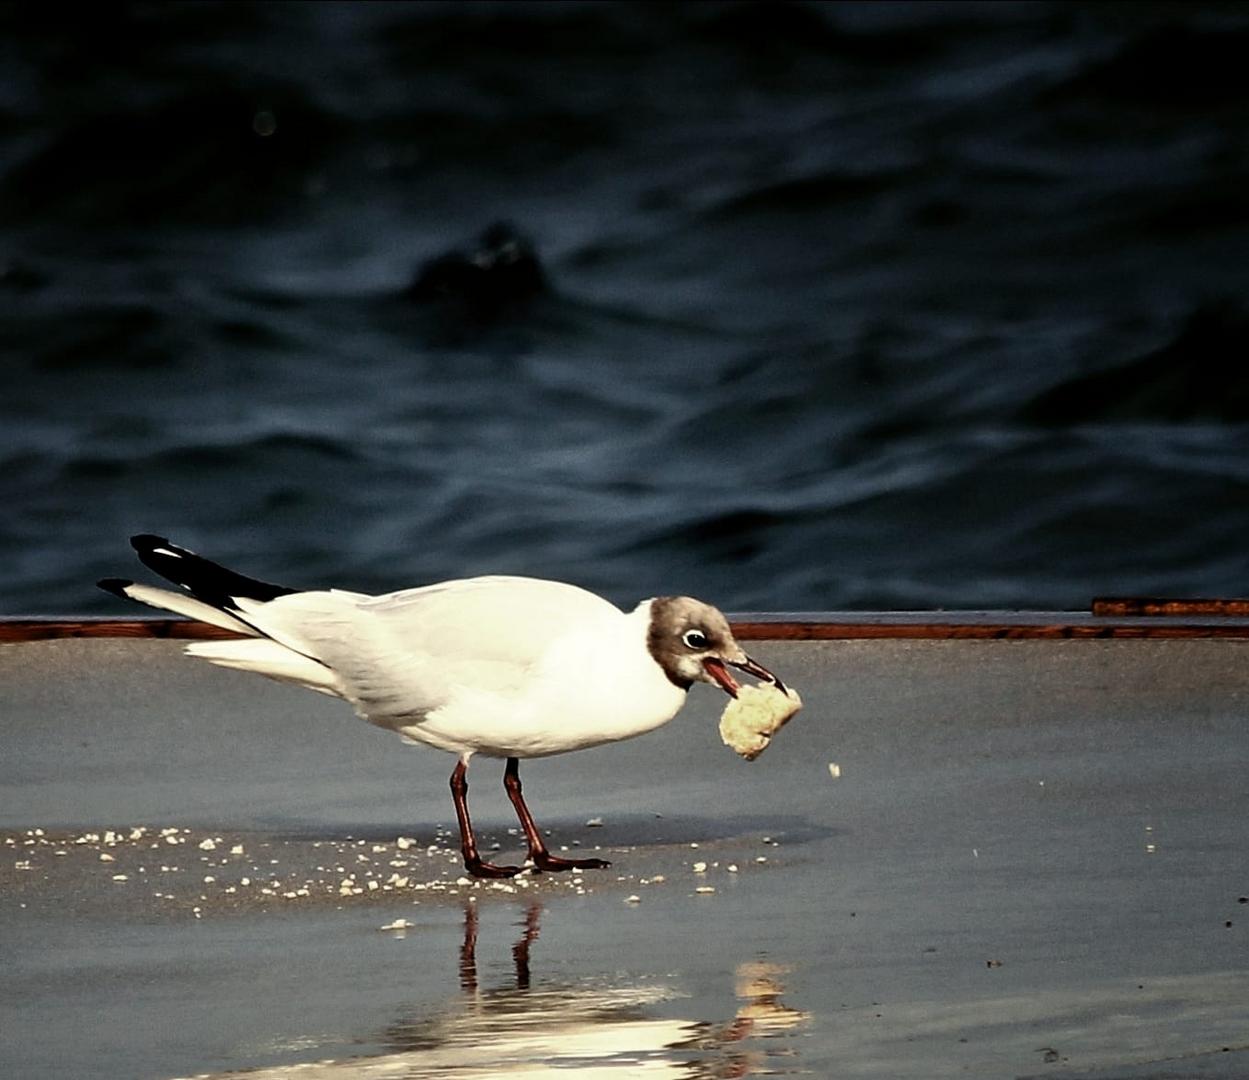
(1154, 607)
(44, 629)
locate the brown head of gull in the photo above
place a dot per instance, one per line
(505, 667)
(692, 642)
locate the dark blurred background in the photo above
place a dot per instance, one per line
(790, 306)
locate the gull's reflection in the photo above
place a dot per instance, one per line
(587, 1030)
(520, 951)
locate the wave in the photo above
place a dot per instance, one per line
(216, 154)
(1183, 66)
(1197, 376)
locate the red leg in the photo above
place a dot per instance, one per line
(538, 854)
(473, 861)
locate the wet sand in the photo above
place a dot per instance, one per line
(151, 871)
(1031, 864)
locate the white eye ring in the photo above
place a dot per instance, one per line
(695, 639)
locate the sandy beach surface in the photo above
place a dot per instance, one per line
(1007, 859)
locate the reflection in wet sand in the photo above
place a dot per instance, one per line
(574, 1032)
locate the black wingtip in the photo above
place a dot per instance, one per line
(115, 585)
(147, 541)
(202, 578)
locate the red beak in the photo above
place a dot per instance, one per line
(715, 667)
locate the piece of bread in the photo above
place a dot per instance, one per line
(757, 713)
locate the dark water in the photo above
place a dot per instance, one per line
(848, 306)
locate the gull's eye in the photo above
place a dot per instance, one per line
(695, 639)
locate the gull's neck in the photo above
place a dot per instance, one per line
(645, 615)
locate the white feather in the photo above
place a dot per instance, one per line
(181, 604)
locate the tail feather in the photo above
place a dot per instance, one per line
(229, 600)
(216, 594)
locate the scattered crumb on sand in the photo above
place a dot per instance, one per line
(154, 871)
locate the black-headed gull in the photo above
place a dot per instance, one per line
(507, 667)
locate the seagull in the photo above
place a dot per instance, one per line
(504, 667)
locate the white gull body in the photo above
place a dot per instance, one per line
(501, 666)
